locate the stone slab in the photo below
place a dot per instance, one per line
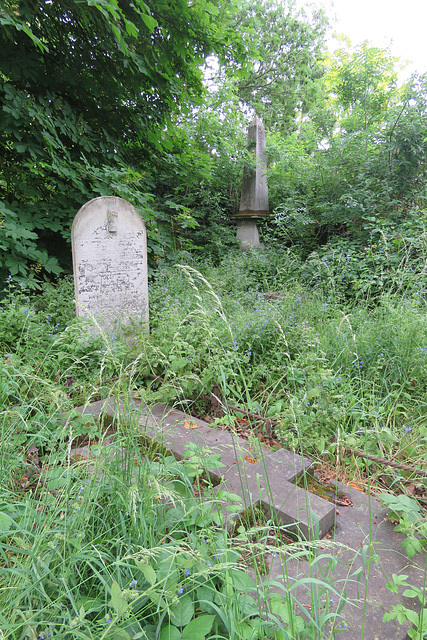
(262, 477)
(363, 541)
(355, 559)
(109, 245)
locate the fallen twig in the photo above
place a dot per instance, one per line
(390, 463)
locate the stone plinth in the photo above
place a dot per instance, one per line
(247, 233)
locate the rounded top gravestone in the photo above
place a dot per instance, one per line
(109, 245)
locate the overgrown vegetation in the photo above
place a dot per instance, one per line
(163, 125)
(323, 333)
(128, 548)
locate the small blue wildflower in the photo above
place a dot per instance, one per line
(133, 583)
(180, 591)
(187, 572)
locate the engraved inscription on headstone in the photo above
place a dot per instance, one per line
(109, 243)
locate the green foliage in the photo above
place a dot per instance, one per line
(110, 553)
(301, 356)
(284, 49)
(30, 322)
(86, 88)
(391, 262)
(346, 143)
(402, 614)
(197, 186)
(131, 540)
(248, 331)
(40, 338)
(357, 162)
(364, 85)
(407, 514)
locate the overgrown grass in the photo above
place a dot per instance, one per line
(129, 545)
(315, 364)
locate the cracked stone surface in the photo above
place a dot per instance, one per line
(262, 476)
(352, 563)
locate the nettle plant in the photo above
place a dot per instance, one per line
(406, 513)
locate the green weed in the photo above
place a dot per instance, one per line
(132, 543)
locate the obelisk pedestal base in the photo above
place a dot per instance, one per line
(247, 233)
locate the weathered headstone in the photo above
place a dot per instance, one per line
(254, 198)
(109, 244)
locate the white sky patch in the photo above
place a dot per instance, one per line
(398, 26)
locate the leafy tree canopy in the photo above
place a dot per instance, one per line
(151, 100)
(284, 60)
(358, 159)
(86, 88)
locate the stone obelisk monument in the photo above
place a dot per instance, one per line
(254, 198)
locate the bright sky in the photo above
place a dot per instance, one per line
(402, 25)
